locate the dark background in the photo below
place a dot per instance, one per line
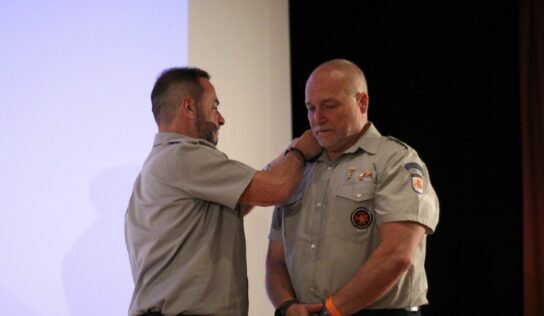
(443, 77)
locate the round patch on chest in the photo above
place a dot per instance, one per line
(361, 217)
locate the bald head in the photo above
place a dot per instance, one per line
(337, 103)
(343, 72)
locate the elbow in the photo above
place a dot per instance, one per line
(397, 258)
(402, 262)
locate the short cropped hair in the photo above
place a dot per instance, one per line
(171, 86)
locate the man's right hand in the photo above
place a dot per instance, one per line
(303, 309)
(307, 144)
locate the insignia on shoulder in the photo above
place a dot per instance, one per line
(416, 176)
(361, 218)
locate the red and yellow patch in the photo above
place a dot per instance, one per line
(361, 217)
(417, 184)
(417, 176)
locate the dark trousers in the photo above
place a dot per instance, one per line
(386, 312)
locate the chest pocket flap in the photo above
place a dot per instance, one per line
(359, 191)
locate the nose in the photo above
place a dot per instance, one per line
(318, 115)
(221, 119)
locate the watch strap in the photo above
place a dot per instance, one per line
(282, 309)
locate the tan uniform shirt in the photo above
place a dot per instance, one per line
(329, 227)
(184, 230)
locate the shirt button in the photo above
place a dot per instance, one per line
(359, 195)
(318, 204)
(312, 289)
(329, 168)
(313, 246)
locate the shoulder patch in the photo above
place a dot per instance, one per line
(417, 176)
(403, 144)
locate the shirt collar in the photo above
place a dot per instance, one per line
(162, 138)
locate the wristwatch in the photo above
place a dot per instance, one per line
(282, 309)
(324, 312)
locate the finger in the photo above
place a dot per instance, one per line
(314, 307)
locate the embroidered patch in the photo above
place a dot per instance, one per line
(417, 184)
(416, 176)
(361, 218)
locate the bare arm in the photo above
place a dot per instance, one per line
(383, 269)
(271, 187)
(278, 284)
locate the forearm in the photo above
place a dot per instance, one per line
(285, 172)
(383, 269)
(373, 280)
(278, 283)
(275, 185)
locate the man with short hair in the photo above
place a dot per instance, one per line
(184, 222)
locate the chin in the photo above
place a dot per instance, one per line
(325, 142)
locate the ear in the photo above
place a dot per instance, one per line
(188, 108)
(363, 101)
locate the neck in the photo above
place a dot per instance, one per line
(333, 154)
(179, 128)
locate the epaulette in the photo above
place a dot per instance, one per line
(399, 141)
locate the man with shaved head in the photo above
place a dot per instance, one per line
(353, 235)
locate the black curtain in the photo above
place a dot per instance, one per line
(532, 118)
(443, 77)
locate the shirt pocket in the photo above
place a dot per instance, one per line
(353, 212)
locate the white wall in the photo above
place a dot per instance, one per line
(75, 126)
(75, 122)
(244, 44)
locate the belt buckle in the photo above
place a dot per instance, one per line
(413, 309)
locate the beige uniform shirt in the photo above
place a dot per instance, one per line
(329, 227)
(184, 230)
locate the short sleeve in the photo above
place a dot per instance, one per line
(404, 191)
(208, 174)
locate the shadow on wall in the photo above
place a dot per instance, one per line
(10, 303)
(96, 271)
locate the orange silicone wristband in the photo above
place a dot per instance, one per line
(329, 305)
